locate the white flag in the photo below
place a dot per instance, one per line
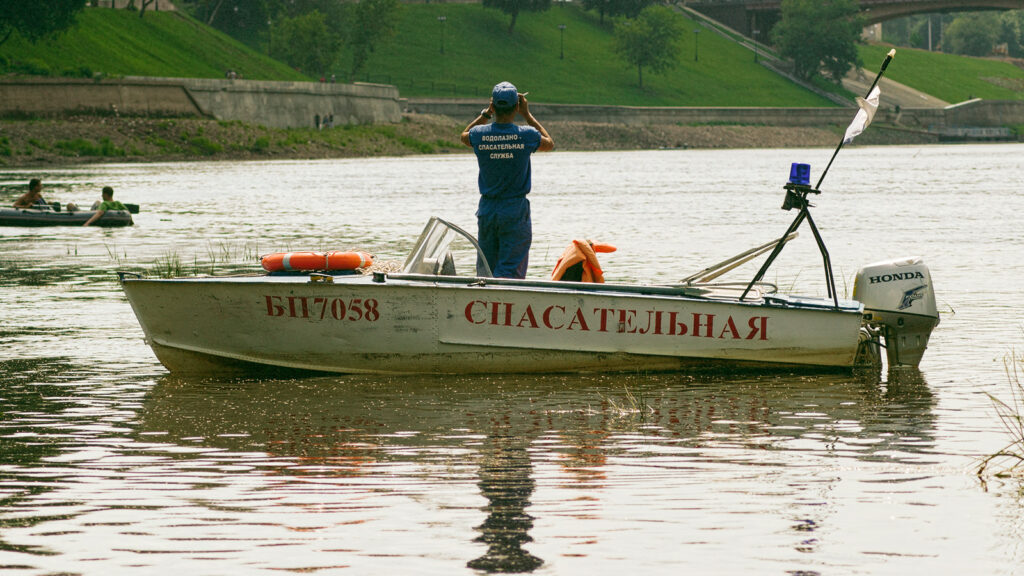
(864, 115)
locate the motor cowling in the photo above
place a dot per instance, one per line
(899, 301)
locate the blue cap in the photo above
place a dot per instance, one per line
(505, 96)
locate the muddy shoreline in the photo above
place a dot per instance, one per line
(83, 139)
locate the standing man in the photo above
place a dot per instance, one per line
(503, 152)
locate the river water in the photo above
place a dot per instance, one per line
(110, 465)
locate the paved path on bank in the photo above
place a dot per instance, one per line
(893, 93)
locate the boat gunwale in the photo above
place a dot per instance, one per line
(692, 293)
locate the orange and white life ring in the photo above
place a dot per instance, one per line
(309, 261)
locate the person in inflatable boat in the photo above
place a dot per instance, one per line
(108, 203)
(34, 197)
(503, 150)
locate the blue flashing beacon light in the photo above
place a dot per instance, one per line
(800, 174)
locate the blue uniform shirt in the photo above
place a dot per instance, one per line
(503, 154)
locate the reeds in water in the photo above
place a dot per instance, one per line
(1009, 461)
(166, 266)
(221, 258)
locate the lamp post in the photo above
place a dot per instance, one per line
(442, 20)
(561, 41)
(755, 32)
(696, 44)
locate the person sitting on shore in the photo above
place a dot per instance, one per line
(34, 197)
(108, 203)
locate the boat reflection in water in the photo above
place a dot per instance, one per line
(513, 435)
(506, 480)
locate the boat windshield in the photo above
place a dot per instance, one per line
(447, 250)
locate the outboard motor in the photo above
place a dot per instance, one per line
(899, 302)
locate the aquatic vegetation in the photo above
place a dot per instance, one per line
(1009, 461)
(228, 255)
(632, 404)
(112, 253)
(219, 258)
(166, 266)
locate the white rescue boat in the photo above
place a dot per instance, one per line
(443, 313)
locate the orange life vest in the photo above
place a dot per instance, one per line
(579, 262)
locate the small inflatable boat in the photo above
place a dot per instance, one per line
(50, 217)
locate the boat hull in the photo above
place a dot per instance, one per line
(354, 325)
(34, 218)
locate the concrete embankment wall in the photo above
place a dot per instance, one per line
(975, 113)
(272, 104)
(642, 116)
(57, 96)
(291, 104)
(298, 104)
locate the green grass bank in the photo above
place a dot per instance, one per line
(479, 52)
(117, 43)
(577, 66)
(950, 77)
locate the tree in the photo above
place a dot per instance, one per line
(819, 35)
(628, 8)
(205, 10)
(336, 13)
(36, 20)
(972, 34)
(654, 40)
(144, 4)
(372, 21)
(304, 43)
(1012, 32)
(514, 7)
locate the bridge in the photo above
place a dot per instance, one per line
(755, 18)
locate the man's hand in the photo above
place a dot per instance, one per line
(524, 106)
(478, 121)
(546, 142)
